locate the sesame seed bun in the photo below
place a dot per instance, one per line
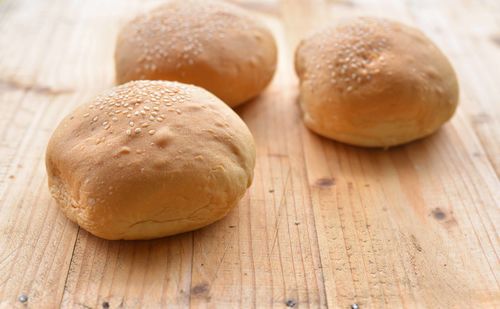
(149, 159)
(374, 82)
(211, 44)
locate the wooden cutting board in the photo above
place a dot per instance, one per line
(324, 224)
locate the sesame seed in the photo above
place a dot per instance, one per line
(137, 130)
(151, 132)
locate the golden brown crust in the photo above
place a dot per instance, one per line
(210, 44)
(149, 159)
(373, 82)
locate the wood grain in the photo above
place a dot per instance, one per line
(323, 225)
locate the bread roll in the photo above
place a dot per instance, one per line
(149, 159)
(373, 82)
(211, 44)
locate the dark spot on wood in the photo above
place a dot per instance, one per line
(367, 185)
(415, 243)
(232, 226)
(291, 303)
(202, 264)
(438, 214)
(201, 288)
(324, 182)
(496, 39)
(105, 305)
(271, 190)
(12, 177)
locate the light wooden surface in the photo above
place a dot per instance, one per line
(324, 224)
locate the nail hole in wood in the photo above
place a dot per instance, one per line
(291, 303)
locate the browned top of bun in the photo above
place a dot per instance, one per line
(212, 44)
(374, 82)
(149, 159)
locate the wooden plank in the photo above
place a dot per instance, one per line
(36, 240)
(129, 274)
(401, 230)
(275, 242)
(324, 224)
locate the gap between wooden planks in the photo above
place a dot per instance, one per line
(324, 224)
